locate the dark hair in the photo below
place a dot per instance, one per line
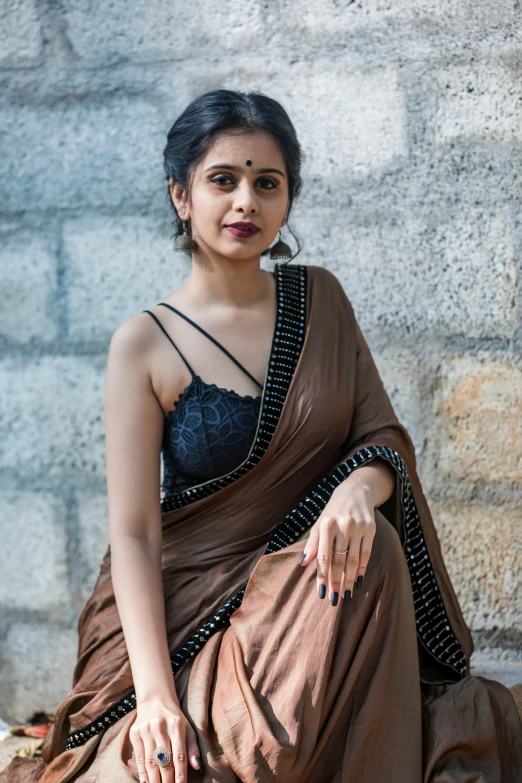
(219, 111)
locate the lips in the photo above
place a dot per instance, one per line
(244, 224)
(243, 230)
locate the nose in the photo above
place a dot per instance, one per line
(245, 198)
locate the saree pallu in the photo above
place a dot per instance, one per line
(278, 684)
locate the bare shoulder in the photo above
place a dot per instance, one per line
(133, 337)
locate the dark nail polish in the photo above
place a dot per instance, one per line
(334, 598)
(347, 595)
(301, 559)
(322, 591)
(359, 580)
(199, 761)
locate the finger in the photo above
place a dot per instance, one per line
(193, 752)
(364, 557)
(324, 554)
(162, 741)
(337, 567)
(153, 773)
(351, 565)
(310, 549)
(179, 756)
(139, 758)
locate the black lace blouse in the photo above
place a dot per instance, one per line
(209, 431)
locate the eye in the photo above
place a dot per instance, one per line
(219, 181)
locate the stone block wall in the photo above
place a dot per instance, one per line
(409, 113)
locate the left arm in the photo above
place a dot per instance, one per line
(376, 481)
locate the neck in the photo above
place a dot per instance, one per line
(236, 284)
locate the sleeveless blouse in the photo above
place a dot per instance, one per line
(210, 430)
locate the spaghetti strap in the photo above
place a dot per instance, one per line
(171, 340)
(214, 341)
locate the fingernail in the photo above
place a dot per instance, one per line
(334, 598)
(347, 595)
(359, 580)
(322, 591)
(301, 559)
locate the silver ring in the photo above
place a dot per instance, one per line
(161, 756)
(341, 553)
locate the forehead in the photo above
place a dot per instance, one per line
(260, 147)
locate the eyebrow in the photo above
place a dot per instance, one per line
(238, 168)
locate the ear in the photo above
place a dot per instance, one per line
(177, 194)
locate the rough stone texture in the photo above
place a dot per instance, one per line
(366, 120)
(27, 311)
(404, 390)
(33, 556)
(94, 159)
(480, 102)
(93, 519)
(409, 115)
(163, 30)
(117, 268)
(482, 546)
(480, 419)
(20, 34)
(463, 265)
(52, 417)
(37, 668)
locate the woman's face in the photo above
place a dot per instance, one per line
(226, 189)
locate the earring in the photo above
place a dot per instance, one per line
(184, 243)
(280, 249)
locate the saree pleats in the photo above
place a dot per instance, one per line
(279, 684)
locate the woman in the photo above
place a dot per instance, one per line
(287, 478)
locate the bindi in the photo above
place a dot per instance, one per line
(249, 162)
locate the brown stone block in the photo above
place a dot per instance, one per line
(482, 548)
(480, 420)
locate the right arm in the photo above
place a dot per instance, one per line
(133, 432)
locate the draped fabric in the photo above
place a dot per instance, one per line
(277, 683)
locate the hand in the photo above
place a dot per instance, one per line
(346, 522)
(161, 722)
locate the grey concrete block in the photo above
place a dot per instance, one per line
(368, 28)
(52, 416)
(93, 520)
(37, 668)
(28, 310)
(117, 267)
(475, 102)
(20, 34)
(33, 552)
(455, 276)
(155, 30)
(403, 387)
(95, 154)
(351, 122)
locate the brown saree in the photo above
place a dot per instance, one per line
(277, 683)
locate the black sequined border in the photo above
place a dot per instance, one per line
(432, 622)
(291, 286)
